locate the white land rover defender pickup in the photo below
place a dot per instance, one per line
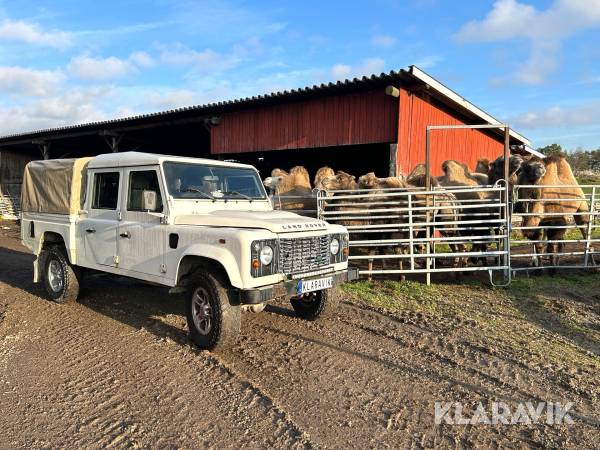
(205, 228)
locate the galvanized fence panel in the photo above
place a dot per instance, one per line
(415, 231)
(554, 228)
(398, 232)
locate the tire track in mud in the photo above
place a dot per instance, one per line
(347, 401)
(490, 364)
(402, 371)
(117, 371)
(102, 384)
(493, 374)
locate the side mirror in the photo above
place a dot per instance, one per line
(149, 200)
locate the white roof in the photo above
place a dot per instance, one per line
(128, 159)
(534, 152)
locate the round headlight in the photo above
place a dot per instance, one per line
(334, 246)
(266, 255)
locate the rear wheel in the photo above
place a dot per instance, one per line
(61, 279)
(316, 304)
(214, 323)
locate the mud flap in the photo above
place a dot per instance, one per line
(36, 270)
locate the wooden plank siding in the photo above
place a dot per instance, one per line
(466, 146)
(366, 117)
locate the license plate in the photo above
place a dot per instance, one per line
(305, 286)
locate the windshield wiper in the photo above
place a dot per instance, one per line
(238, 193)
(198, 191)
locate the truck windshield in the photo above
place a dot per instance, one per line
(185, 180)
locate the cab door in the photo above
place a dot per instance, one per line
(99, 229)
(142, 236)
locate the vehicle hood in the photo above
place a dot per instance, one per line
(275, 221)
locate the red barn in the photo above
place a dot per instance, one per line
(374, 123)
(389, 128)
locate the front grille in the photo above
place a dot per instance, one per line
(303, 254)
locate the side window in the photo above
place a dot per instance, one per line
(143, 191)
(106, 190)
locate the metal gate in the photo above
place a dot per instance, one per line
(555, 228)
(419, 231)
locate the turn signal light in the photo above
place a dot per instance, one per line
(255, 263)
(345, 252)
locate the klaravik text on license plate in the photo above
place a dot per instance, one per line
(305, 286)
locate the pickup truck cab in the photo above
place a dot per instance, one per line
(202, 227)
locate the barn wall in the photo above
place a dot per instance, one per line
(466, 146)
(349, 119)
(12, 166)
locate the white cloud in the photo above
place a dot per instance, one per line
(507, 20)
(542, 62)
(223, 21)
(32, 34)
(368, 66)
(559, 116)
(142, 59)
(281, 81)
(545, 30)
(207, 60)
(383, 40)
(68, 107)
(170, 99)
(180, 56)
(88, 68)
(510, 19)
(29, 82)
(427, 62)
(340, 71)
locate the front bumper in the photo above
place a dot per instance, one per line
(288, 288)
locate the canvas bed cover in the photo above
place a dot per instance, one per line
(54, 186)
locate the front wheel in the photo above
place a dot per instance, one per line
(61, 279)
(214, 323)
(316, 304)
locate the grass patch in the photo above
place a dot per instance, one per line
(395, 295)
(542, 319)
(571, 234)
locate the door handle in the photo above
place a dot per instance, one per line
(90, 230)
(126, 235)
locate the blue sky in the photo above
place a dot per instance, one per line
(535, 64)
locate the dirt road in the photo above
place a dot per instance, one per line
(117, 370)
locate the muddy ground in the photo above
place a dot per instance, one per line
(117, 370)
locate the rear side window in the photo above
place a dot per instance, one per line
(141, 182)
(106, 190)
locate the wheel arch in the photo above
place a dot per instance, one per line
(190, 263)
(51, 238)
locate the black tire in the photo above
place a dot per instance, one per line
(208, 298)
(60, 278)
(317, 304)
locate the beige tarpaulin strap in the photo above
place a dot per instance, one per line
(54, 186)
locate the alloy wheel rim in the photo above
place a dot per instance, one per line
(56, 277)
(202, 312)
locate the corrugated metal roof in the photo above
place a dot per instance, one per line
(216, 107)
(348, 85)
